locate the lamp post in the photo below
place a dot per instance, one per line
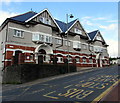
(71, 16)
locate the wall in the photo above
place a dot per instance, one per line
(28, 72)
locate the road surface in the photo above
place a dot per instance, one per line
(88, 86)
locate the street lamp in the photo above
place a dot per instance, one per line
(71, 16)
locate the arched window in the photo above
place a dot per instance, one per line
(84, 60)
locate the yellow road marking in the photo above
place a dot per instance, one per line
(105, 92)
(68, 86)
(47, 95)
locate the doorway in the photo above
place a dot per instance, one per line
(17, 56)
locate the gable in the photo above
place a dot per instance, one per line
(99, 37)
(44, 17)
(78, 29)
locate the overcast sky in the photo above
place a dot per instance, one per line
(101, 16)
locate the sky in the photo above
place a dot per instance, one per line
(102, 16)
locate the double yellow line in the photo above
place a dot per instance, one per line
(105, 92)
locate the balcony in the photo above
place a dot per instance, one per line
(38, 38)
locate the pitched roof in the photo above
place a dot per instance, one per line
(63, 25)
(23, 17)
(92, 34)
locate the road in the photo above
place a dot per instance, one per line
(80, 87)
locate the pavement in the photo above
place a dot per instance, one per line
(113, 95)
(86, 85)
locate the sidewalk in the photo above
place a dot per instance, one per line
(113, 95)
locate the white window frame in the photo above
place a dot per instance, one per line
(84, 60)
(91, 47)
(98, 38)
(76, 44)
(59, 59)
(18, 33)
(58, 41)
(35, 37)
(77, 61)
(84, 46)
(78, 31)
(67, 43)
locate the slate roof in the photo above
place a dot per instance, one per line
(63, 25)
(23, 17)
(92, 34)
(28, 15)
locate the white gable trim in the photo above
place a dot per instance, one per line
(95, 35)
(48, 13)
(80, 25)
(71, 26)
(100, 35)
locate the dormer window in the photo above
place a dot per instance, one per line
(78, 31)
(98, 38)
(48, 21)
(42, 19)
(45, 20)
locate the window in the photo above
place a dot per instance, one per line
(67, 43)
(60, 59)
(91, 48)
(77, 60)
(58, 41)
(19, 33)
(70, 59)
(48, 39)
(42, 19)
(84, 46)
(76, 44)
(90, 61)
(78, 31)
(84, 60)
(98, 38)
(45, 20)
(35, 37)
(48, 21)
(41, 38)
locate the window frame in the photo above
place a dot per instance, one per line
(18, 33)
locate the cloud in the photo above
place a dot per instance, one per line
(99, 18)
(112, 21)
(86, 17)
(86, 20)
(113, 47)
(6, 15)
(109, 27)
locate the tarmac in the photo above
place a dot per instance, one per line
(111, 97)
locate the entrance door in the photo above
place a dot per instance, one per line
(17, 56)
(41, 56)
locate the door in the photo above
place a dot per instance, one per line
(41, 56)
(17, 56)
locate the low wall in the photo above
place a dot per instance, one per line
(27, 72)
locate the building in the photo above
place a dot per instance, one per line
(38, 37)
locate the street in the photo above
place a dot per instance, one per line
(86, 86)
